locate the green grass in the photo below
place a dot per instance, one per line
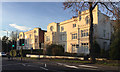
(70, 61)
(107, 63)
(113, 63)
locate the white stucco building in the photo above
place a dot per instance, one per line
(73, 34)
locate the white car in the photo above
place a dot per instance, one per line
(2, 54)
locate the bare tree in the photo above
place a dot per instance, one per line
(78, 5)
(13, 38)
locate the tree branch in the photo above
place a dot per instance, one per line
(94, 5)
(82, 6)
(114, 6)
(106, 7)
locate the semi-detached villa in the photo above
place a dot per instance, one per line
(73, 34)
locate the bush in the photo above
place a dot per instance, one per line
(24, 52)
(54, 49)
(96, 49)
(70, 54)
(104, 53)
(115, 41)
(37, 51)
(114, 50)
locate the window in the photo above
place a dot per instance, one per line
(79, 18)
(108, 35)
(60, 37)
(84, 44)
(62, 28)
(35, 40)
(84, 47)
(35, 31)
(74, 36)
(74, 25)
(105, 45)
(74, 48)
(36, 37)
(63, 37)
(20, 35)
(26, 42)
(53, 37)
(104, 31)
(51, 28)
(77, 45)
(84, 33)
(30, 36)
(87, 19)
(47, 38)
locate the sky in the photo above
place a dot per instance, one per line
(24, 16)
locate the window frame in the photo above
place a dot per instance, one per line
(35, 31)
(47, 38)
(84, 33)
(74, 36)
(74, 25)
(51, 28)
(87, 19)
(62, 28)
(80, 18)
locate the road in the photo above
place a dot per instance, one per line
(43, 66)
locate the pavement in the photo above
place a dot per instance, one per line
(46, 65)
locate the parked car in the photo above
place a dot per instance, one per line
(2, 54)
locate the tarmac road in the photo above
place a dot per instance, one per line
(43, 66)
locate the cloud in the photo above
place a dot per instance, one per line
(22, 28)
(4, 33)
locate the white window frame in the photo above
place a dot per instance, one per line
(74, 36)
(84, 33)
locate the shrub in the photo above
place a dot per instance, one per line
(24, 52)
(104, 53)
(70, 54)
(54, 49)
(115, 41)
(96, 49)
(114, 49)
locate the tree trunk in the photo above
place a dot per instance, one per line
(91, 34)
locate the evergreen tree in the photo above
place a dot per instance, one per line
(115, 42)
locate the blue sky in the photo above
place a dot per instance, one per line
(24, 16)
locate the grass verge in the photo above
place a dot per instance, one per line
(106, 63)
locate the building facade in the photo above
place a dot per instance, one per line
(73, 34)
(33, 39)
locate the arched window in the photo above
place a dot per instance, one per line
(62, 28)
(79, 18)
(51, 28)
(34, 31)
(87, 20)
(20, 35)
